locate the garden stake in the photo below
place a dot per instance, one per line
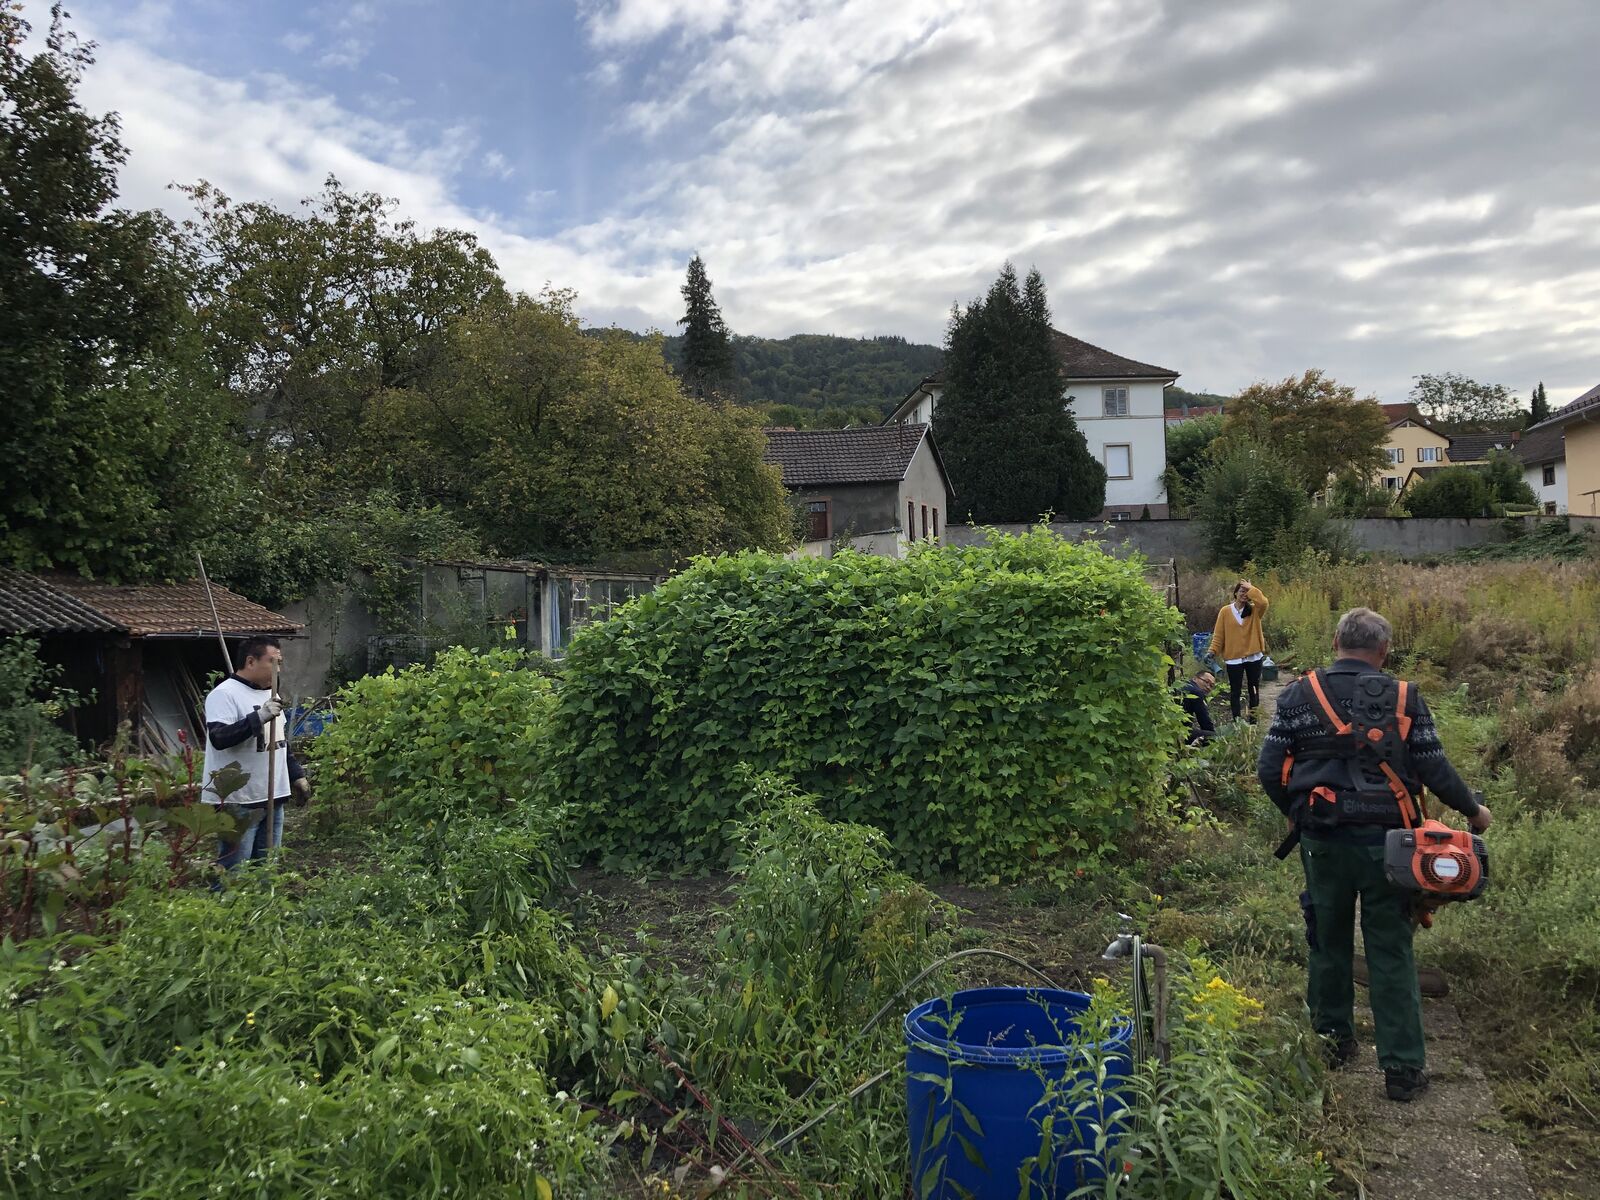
(216, 620)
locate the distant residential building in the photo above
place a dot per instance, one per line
(1579, 423)
(1191, 412)
(1543, 455)
(1118, 403)
(879, 489)
(1470, 449)
(1413, 442)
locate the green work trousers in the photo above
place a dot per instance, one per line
(1336, 874)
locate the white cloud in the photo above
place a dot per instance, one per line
(1236, 194)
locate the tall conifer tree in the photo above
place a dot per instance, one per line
(707, 352)
(1540, 404)
(1012, 447)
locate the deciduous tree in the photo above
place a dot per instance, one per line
(1462, 405)
(113, 452)
(1314, 425)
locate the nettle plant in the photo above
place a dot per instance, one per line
(996, 710)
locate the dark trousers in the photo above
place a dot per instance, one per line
(1337, 873)
(1238, 674)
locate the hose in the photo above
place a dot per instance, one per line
(761, 1146)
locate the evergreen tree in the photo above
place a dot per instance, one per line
(707, 354)
(1540, 405)
(1012, 447)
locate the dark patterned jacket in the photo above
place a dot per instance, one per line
(1299, 719)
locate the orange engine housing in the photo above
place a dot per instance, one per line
(1436, 861)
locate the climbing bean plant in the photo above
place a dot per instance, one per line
(997, 710)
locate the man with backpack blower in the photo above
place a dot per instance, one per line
(1348, 755)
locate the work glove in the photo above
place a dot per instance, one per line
(270, 709)
(301, 788)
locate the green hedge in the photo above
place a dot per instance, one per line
(990, 708)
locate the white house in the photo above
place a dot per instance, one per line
(1119, 407)
(1542, 452)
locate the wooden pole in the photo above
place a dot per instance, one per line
(272, 767)
(216, 620)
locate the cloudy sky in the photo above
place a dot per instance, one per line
(1233, 190)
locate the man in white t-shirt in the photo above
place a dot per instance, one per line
(244, 726)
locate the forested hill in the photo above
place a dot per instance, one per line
(816, 371)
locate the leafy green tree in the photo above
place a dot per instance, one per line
(1013, 449)
(567, 444)
(1506, 481)
(113, 453)
(707, 356)
(1188, 454)
(1453, 492)
(1463, 405)
(1314, 426)
(1539, 405)
(315, 317)
(1255, 511)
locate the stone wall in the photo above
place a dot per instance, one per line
(1407, 537)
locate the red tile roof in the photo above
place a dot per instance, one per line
(171, 609)
(30, 605)
(1396, 413)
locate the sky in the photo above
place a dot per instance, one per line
(1233, 190)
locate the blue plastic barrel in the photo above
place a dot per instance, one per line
(1200, 645)
(1010, 1057)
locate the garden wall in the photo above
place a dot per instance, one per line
(1407, 537)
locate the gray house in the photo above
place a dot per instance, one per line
(878, 489)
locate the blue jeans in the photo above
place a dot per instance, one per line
(251, 837)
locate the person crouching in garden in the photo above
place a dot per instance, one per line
(1192, 699)
(244, 725)
(1239, 642)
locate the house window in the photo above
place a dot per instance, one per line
(817, 521)
(911, 520)
(1391, 482)
(1119, 460)
(1549, 475)
(1115, 401)
(1428, 454)
(1395, 455)
(1549, 505)
(924, 522)
(1122, 514)
(936, 524)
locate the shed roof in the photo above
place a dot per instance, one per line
(29, 604)
(171, 609)
(881, 454)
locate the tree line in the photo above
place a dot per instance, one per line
(297, 392)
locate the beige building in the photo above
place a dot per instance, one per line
(1413, 442)
(1579, 422)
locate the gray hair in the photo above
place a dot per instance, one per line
(1362, 629)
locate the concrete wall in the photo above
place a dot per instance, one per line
(923, 487)
(857, 508)
(1404, 537)
(336, 624)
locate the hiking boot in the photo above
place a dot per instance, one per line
(1404, 1084)
(1338, 1054)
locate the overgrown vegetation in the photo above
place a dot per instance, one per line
(32, 703)
(995, 709)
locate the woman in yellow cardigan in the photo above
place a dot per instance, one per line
(1238, 641)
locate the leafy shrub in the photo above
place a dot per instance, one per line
(385, 1033)
(993, 708)
(1453, 492)
(822, 931)
(31, 701)
(461, 735)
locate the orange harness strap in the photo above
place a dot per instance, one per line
(1400, 711)
(1339, 726)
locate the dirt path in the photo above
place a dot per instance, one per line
(1451, 1141)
